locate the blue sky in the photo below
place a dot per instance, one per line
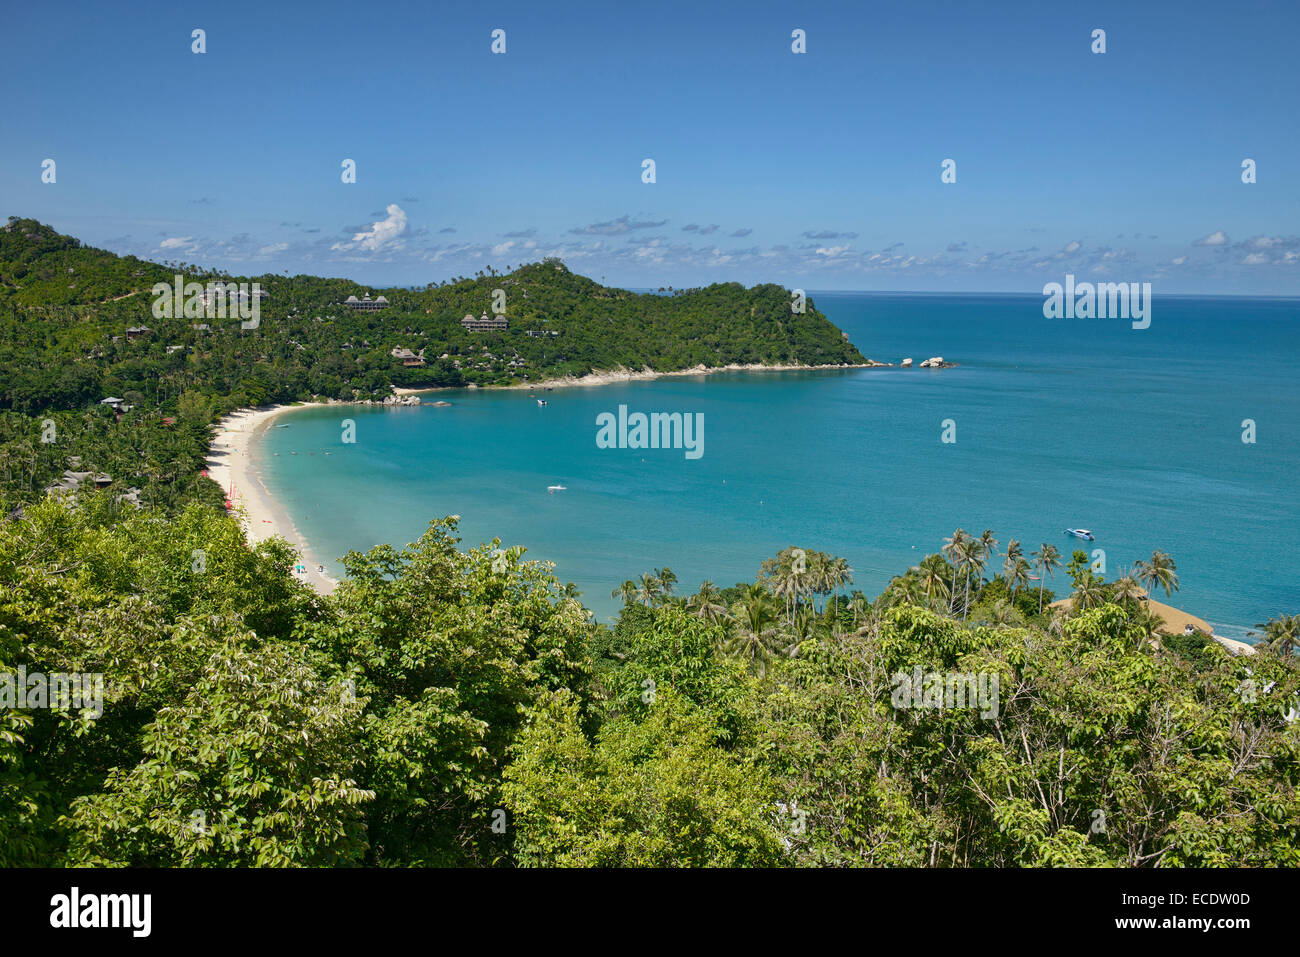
(819, 170)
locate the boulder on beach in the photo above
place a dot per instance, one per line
(906, 363)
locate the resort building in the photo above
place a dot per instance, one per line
(484, 323)
(408, 357)
(138, 332)
(218, 293)
(71, 481)
(352, 302)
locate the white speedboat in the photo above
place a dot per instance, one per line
(556, 488)
(1080, 533)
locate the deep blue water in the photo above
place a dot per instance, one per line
(1135, 434)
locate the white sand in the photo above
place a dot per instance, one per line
(1235, 646)
(629, 375)
(230, 458)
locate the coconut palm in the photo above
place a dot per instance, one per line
(905, 589)
(1160, 572)
(787, 577)
(754, 637)
(667, 580)
(1016, 572)
(932, 574)
(981, 550)
(647, 589)
(859, 608)
(626, 592)
(1282, 633)
(838, 574)
(706, 603)
(958, 549)
(1046, 560)
(1125, 590)
(1089, 594)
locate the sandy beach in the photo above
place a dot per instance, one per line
(230, 461)
(630, 375)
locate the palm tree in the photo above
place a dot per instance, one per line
(958, 550)
(1016, 573)
(647, 590)
(1125, 590)
(904, 589)
(932, 574)
(1282, 633)
(1160, 572)
(981, 550)
(1046, 560)
(788, 577)
(1089, 594)
(705, 604)
(1009, 564)
(666, 579)
(626, 592)
(859, 608)
(838, 574)
(754, 637)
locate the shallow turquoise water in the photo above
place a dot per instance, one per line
(1133, 434)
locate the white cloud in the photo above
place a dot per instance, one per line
(380, 234)
(176, 242)
(1216, 238)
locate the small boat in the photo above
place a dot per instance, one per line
(1080, 533)
(541, 402)
(556, 488)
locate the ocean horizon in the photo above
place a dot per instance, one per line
(1057, 423)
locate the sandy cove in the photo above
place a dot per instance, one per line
(230, 458)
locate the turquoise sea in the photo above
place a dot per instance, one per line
(1134, 434)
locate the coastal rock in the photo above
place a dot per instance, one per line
(906, 363)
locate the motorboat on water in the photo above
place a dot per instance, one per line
(541, 402)
(1083, 533)
(556, 488)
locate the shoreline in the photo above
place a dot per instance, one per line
(611, 376)
(231, 455)
(231, 458)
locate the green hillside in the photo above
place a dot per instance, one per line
(64, 310)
